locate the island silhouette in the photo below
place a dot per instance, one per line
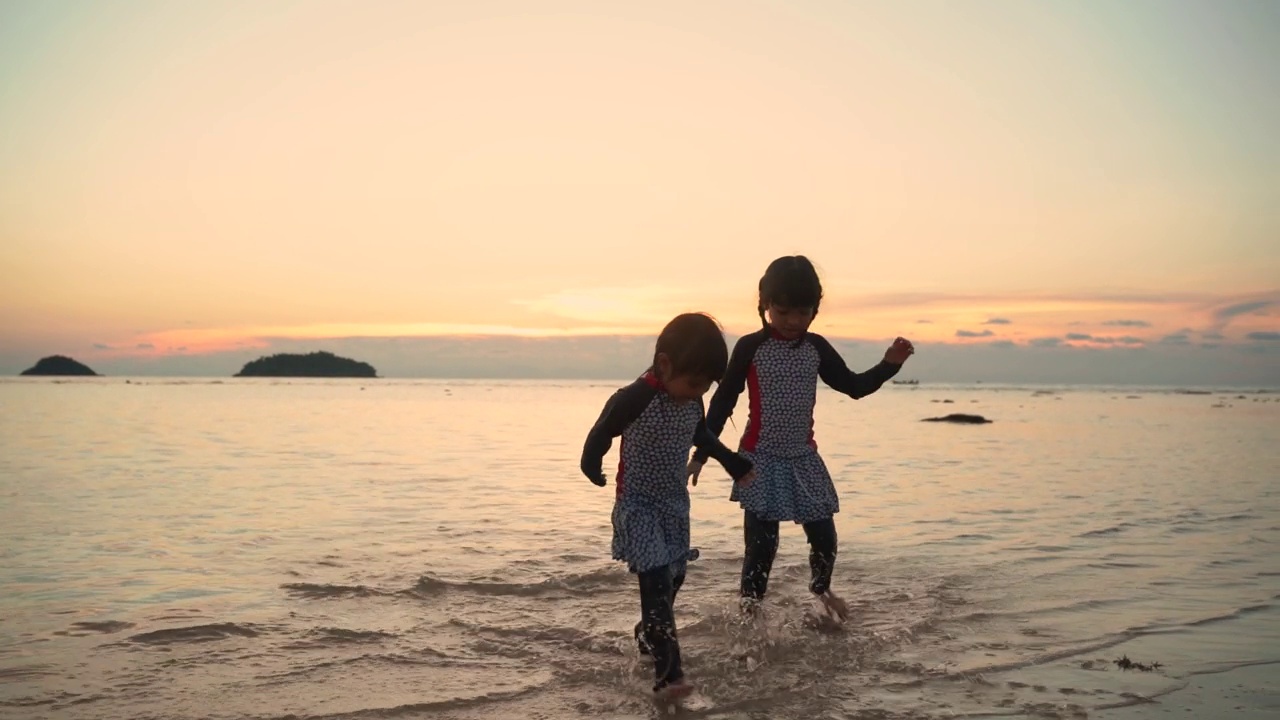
(315, 364)
(58, 365)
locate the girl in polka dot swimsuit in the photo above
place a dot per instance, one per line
(779, 366)
(660, 418)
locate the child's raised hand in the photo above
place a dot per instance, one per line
(899, 351)
(694, 470)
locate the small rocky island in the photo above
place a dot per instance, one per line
(316, 364)
(59, 365)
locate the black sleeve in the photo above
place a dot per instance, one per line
(620, 411)
(734, 464)
(839, 377)
(731, 386)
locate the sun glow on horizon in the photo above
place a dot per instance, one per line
(1026, 320)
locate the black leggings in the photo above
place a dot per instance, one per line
(656, 631)
(762, 545)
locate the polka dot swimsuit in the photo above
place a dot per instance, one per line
(784, 382)
(651, 514)
(651, 510)
(780, 377)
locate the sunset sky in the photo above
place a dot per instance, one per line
(184, 186)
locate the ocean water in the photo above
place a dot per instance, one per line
(427, 549)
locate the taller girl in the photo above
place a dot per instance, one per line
(779, 366)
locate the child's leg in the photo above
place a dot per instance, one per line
(762, 545)
(822, 560)
(643, 644)
(822, 553)
(656, 596)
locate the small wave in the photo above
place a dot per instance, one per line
(419, 658)
(974, 617)
(1238, 516)
(1043, 658)
(1073, 607)
(418, 709)
(1233, 615)
(27, 671)
(1192, 515)
(556, 635)
(576, 558)
(342, 635)
(960, 539)
(502, 649)
(1104, 532)
(428, 585)
(105, 627)
(1229, 666)
(320, 591)
(577, 583)
(194, 634)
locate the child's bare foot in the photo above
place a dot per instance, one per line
(674, 690)
(836, 607)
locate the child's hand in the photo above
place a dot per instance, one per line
(899, 351)
(694, 470)
(747, 479)
(600, 480)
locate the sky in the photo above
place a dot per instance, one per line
(1055, 191)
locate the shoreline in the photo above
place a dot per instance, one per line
(1251, 692)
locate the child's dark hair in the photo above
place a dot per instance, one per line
(694, 343)
(790, 281)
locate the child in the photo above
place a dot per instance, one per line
(780, 365)
(660, 417)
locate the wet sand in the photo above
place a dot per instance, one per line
(1246, 693)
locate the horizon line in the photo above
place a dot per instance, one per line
(301, 379)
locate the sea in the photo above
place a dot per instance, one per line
(289, 549)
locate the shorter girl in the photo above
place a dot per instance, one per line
(660, 417)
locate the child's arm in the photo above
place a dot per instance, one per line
(620, 411)
(730, 387)
(834, 372)
(734, 463)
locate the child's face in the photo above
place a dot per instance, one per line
(683, 388)
(789, 322)
(687, 388)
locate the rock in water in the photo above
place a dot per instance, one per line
(962, 418)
